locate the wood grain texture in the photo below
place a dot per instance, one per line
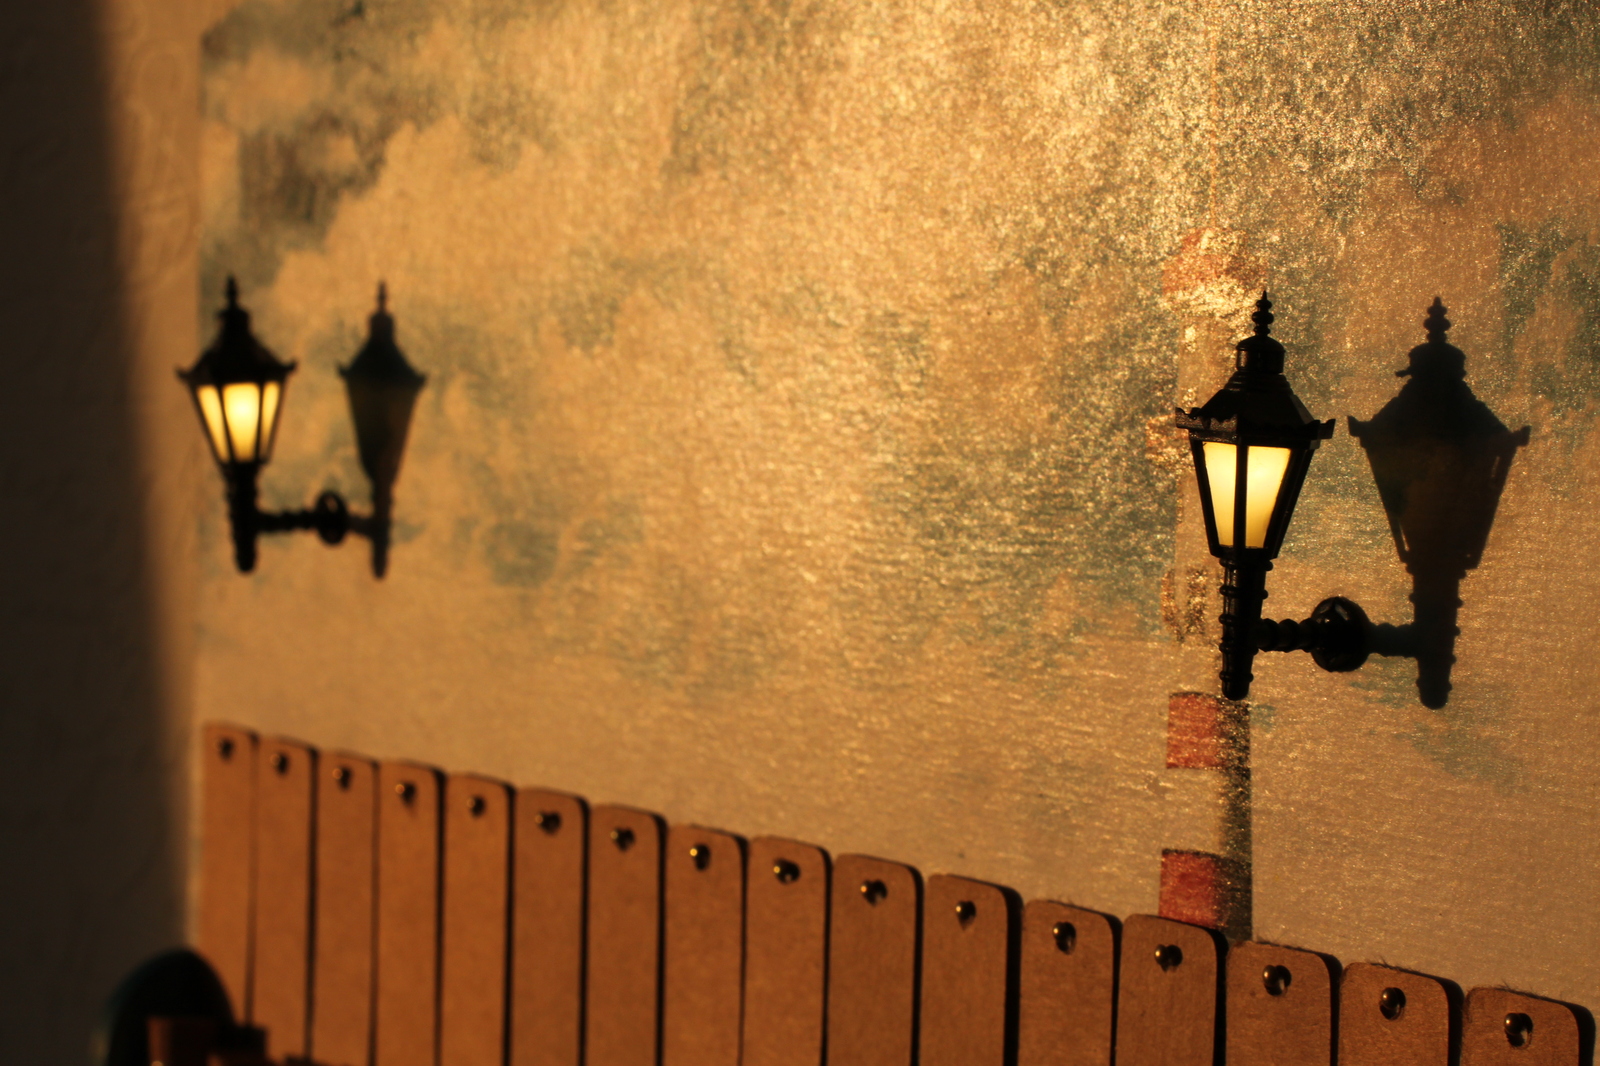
(786, 953)
(1279, 1006)
(873, 958)
(281, 954)
(405, 1024)
(1415, 1025)
(1068, 995)
(227, 857)
(550, 864)
(1168, 1009)
(703, 970)
(475, 914)
(969, 973)
(344, 902)
(622, 1007)
(1504, 1028)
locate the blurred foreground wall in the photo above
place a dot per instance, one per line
(98, 486)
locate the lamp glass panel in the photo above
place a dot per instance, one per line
(1263, 480)
(211, 411)
(270, 394)
(242, 403)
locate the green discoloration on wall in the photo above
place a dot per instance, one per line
(1525, 260)
(1577, 385)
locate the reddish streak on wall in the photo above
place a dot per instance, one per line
(1194, 888)
(1194, 732)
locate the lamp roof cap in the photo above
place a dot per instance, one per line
(1257, 401)
(235, 355)
(1261, 352)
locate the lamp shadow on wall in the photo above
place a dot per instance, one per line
(1440, 458)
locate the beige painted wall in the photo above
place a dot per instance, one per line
(785, 465)
(791, 458)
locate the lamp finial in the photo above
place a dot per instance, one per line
(1436, 324)
(1263, 317)
(232, 291)
(383, 296)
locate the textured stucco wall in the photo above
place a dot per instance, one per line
(793, 456)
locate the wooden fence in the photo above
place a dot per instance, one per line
(369, 913)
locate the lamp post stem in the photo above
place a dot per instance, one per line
(243, 515)
(1244, 589)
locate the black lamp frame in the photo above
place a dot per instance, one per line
(1255, 409)
(378, 371)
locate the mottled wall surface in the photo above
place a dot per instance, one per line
(795, 459)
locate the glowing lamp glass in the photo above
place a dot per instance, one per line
(1264, 472)
(240, 419)
(211, 415)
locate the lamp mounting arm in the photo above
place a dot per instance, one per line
(1338, 635)
(330, 518)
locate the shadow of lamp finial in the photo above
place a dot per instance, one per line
(1440, 458)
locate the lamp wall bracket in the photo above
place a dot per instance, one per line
(1339, 636)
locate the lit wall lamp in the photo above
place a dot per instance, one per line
(1440, 458)
(1252, 444)
(238, 387)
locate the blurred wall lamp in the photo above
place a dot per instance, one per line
(238, 388)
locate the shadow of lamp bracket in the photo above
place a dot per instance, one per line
(238, 388)
(1440, 458)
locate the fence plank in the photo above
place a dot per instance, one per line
(550, 862)
(343, 903)
(1068, 986)
(281, 970)
(406, 1021)
(969, 969)
(1504, 1028)
(227, 857)
(475, 914)
(1390, 1017)
(1168, 994)
(1280, 1006)
(703, 969)
(622, 1009)
(786, 953)
(873, 955)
